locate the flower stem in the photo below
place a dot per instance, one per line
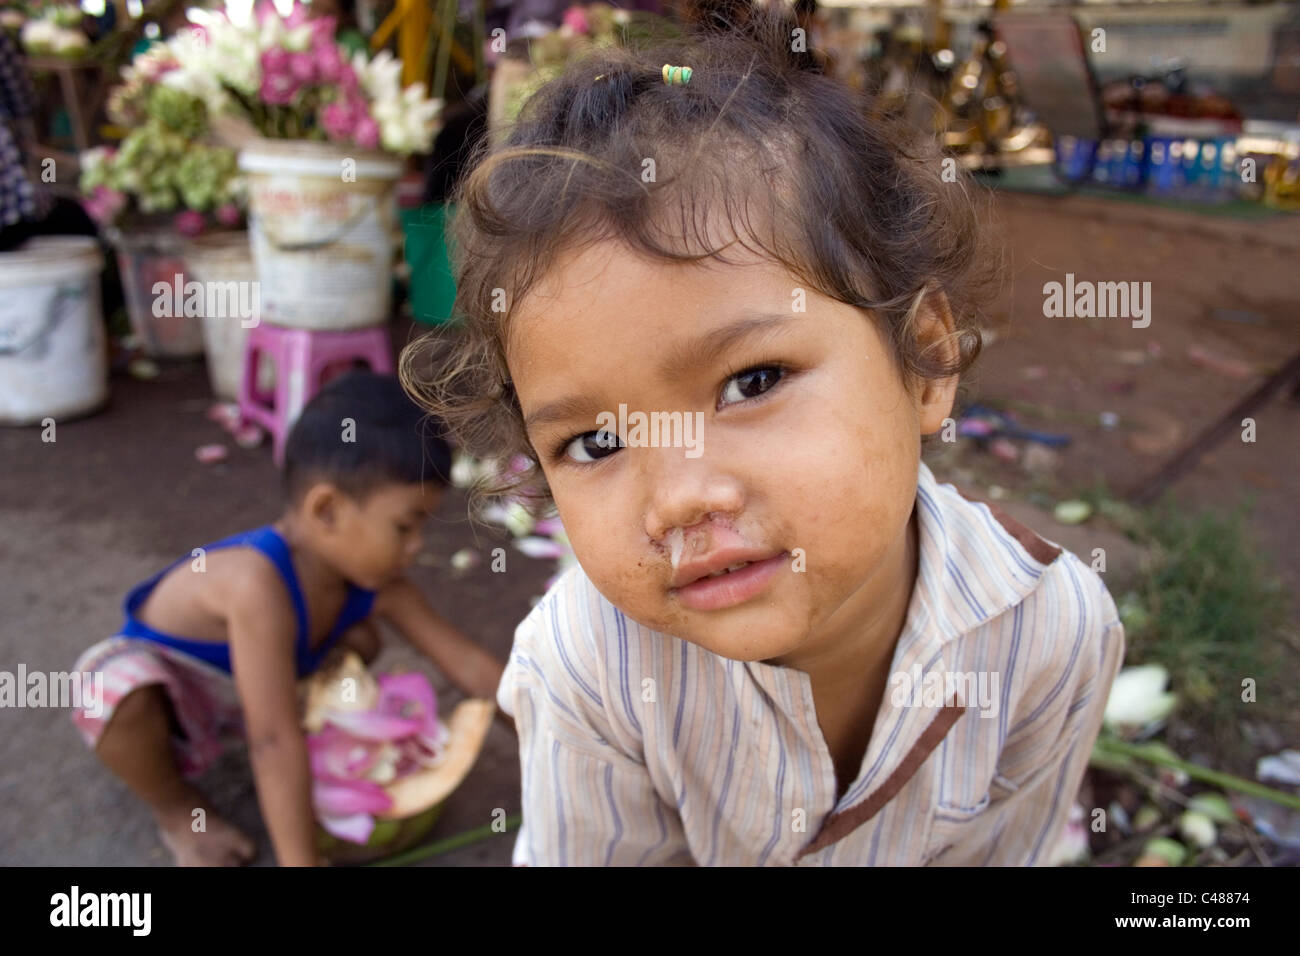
(449, 844)
(1119, 748)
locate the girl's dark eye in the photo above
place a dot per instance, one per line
(591, 446)
(751, 383)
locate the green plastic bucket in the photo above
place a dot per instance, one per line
(433, 287)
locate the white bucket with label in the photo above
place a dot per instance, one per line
(223, 262)
(323, 220)
(53, 347)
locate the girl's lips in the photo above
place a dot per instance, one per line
(732, 588)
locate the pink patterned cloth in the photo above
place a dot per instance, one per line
(202, 696)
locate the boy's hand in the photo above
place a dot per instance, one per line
(263, 629)
(468, 666)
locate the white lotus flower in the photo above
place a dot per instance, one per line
(201, 84)
(1138, 698)
(38, 34)
(270, 33)
(1197, 829)
(147, 66)
(236, 56)
(226, 55)
(463, 472)
(380, 77)
(67, 40)
(90, 159)
(298, 39)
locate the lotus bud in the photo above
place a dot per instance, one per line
(1197, 829)
(1146, 818)
(1213, 805)
(464, 559)
(1170, 852)
(1138, 698)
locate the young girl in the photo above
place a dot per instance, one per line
(790, 645)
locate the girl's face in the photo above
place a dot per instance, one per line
(801, 456)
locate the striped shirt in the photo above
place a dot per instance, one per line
(639, 748)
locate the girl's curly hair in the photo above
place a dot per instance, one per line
(791, 162)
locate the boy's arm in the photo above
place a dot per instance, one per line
(468, 666)
(262, 632)
(585, 802)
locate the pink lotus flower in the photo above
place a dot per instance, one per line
(298, 15)
(189, 222)
(266, 11)
(337, 755)
(280, 82)
(339, 119)
(399, 735)
(278, 89)
(302, 67)
(322, 33)
(329, 63)
(275, 60)
(104, 204)
(576, 20)
(345, 808)
(348, 82)
(536, 547)
(355, 828)
(367, 133)
(548, 526)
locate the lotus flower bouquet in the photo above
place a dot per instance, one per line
(54, 29)
(164, 165)
(285, 76)
(378, 751)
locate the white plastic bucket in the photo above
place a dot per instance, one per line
(147, 257)
(225, 258)
(53, 348)
(323, 220)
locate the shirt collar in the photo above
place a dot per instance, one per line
(970, 569)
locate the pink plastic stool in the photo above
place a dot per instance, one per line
(304, 361)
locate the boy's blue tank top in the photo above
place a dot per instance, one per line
(268, 541)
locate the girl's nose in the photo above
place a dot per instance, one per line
(684, 491)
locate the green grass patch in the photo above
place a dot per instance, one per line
(1208, 607)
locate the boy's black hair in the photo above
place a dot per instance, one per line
(361, 431)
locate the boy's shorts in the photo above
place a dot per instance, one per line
(203, 698)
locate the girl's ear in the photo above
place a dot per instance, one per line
(939, 344)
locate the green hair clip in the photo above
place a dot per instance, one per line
(677, 75)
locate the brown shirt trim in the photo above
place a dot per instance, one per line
(1038, 549)
(839, 825)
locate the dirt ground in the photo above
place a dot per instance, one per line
(1224, 299)
(120, 493)
(115, 498)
